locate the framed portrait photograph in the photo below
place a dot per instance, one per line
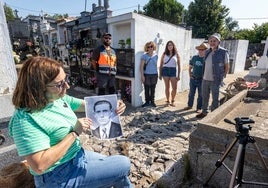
(102, 110)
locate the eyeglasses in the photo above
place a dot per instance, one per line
(149, 46)
(107, 38)
(59, 85)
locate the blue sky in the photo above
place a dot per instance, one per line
(247, 12)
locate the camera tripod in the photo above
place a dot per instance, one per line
(244, 138)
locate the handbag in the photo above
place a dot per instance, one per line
(145, 64)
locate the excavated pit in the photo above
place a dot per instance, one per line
(208, 143)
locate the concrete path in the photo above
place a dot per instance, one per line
(182, 98)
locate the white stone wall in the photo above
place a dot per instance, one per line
(8, 74)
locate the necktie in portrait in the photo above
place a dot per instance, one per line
(104, 134)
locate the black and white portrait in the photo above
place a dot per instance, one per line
(102, 110)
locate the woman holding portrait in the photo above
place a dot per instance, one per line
(46, 132)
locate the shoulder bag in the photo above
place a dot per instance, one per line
(168, 60)
(145, 64)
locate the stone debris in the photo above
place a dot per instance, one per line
(155, 140)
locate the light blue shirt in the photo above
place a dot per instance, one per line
(151, 67)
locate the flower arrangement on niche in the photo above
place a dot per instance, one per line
(128, 91)
(93, 81)
(254, 58)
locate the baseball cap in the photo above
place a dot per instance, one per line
(217, 36)
(106, 34)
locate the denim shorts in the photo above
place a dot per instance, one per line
(169, 71)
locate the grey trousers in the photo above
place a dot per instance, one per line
(207, 88)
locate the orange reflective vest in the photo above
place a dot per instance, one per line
(107, 61)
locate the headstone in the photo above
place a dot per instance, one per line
(8, 74)
(263, 61)
(255, 73)
(237, 54)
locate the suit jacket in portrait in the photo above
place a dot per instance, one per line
(115, 131)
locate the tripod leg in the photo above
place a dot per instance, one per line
(241, 165)
(237, 161)
(219, 162)
(260, 155)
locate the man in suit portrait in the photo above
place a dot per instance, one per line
(106, 127)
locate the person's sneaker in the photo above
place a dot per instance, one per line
(201, 115)
(145, 104)
(153, 104)
(187, 108)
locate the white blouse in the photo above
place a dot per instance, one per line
(172, 62)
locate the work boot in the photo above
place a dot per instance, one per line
(146, 104)
(153, 104)
(201, 115)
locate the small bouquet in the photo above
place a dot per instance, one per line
(254, 58)
(128, 89)
(93, 80)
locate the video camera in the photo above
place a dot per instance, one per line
(239, 124)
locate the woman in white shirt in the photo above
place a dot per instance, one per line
(170, 71)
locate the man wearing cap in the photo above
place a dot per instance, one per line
(196, 76)
(215, 69)
(104, 57)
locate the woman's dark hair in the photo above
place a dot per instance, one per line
(174, 50)
(35, 74)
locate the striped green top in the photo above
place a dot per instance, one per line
(37, 131)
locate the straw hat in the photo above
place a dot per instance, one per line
(202, 46)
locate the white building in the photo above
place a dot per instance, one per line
(141, 29)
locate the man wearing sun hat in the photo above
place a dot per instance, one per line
(215, 69)
(196, 76)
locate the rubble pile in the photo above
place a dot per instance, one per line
(155, 140)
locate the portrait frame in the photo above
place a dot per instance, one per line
(93, 111)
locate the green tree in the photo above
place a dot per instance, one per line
(206, 17)
(254, 35)
(166, 10)
(8, 13)
(231, 26)
(60, 16)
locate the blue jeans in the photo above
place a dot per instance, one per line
(88, 169)
(195, 84)
(207, 87)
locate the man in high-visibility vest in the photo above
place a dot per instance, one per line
(104, 61)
